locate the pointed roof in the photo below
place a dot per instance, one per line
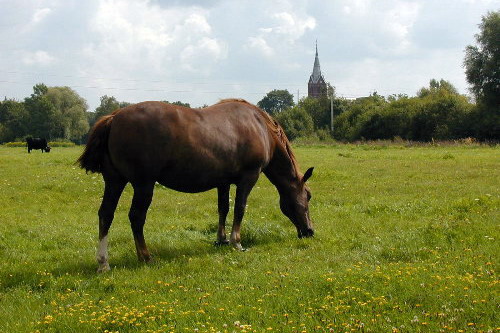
(316, 74)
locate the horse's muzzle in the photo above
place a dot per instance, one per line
(306, 233)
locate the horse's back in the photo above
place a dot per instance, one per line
(188, 149)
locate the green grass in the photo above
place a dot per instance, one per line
(406, 241)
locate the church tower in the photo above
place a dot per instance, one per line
(317, 85)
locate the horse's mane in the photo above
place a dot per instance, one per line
(282, 139)
(274, 127)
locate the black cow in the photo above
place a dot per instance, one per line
(37, 143)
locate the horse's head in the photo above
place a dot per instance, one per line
(294, 203)
(47, 149)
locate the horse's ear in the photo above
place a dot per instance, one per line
(307, 175)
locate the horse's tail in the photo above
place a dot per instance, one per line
(93, 156)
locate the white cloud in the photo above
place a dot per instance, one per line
(132, 35)
(287, 28)
(38, 58)
(398, 21)
(199, 57)
(293, 26)
(377, 28)
(128, 25)
(198, 23)
(288, 25)
(40, 14)
(360, 7)
(259, 44)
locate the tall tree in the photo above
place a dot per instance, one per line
(482, 69)
(441, 115)
(13, 120)
(482, 62)
(349, 124)
(436, 86)
(318, 109)
(276, 101)
(321, 108)
(70, 113)
(296, 122)
(108, 105)
(42, 113)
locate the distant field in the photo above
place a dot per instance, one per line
(407, 240)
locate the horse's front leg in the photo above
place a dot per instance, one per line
(223, 207)
(143, 194)
(243, 189)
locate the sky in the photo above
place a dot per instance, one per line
(199, 52)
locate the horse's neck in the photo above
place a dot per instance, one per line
(281, 170)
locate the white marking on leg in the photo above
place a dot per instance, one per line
(235, 241)
(102, 251)
(102, 255)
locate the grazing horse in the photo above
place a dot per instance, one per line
(192, 150)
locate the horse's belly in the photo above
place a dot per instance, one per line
(192, 183)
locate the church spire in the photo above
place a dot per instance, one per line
(317, 85)
(316, 73)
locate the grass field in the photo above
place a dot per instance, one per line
(407, 240)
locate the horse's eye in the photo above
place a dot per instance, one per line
(309, 196)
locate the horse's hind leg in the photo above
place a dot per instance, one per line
(113, 189)
(143, 193)
(223, 207)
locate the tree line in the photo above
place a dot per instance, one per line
(437, 112)
(50, 112)
(54, 113)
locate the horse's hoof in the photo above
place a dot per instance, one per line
(103, 268)
(221, 243)
(237, 246)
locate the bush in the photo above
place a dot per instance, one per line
(394, 120)
(15, 144)
(296, 122)
(437, 113)
(485, 123)
(61, 144)
(442, 116)
(56, 143)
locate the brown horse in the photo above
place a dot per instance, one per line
(192, 150)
